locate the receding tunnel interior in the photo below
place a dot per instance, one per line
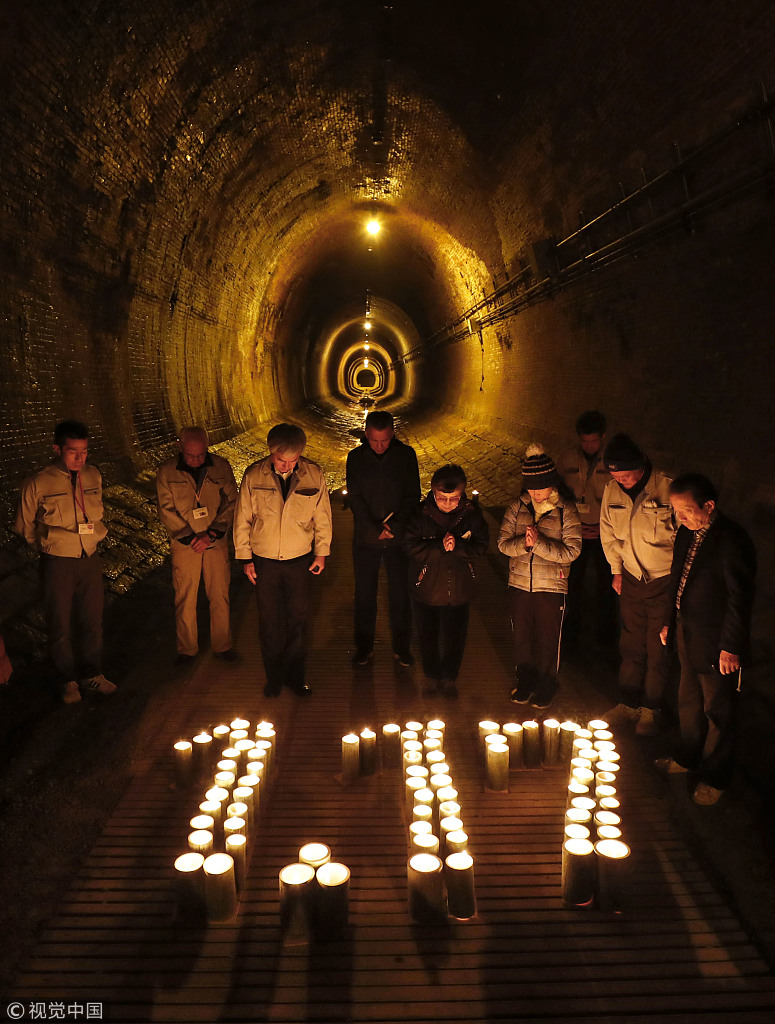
(573, 212)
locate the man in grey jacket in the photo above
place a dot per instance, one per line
(637, 529)
(60, 516)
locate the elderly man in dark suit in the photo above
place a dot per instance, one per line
(712, 577)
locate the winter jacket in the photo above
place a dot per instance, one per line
(545, 567)
(50, 511)
(269, 527)
(718, 594)
(177, 498)
(639, 536)
(586, 479)
(379, 486)
(440, 577)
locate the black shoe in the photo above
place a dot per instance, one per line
(300, 689)
(521, 693)
(542, 699)
(272, 690)
(362, 656)
(184, 659)
(448, 689)
(405, 658)
(230, 655)
(431, 688)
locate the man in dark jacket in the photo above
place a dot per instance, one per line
(712, 589)
(383, 489)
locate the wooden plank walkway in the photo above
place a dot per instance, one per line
(677, 953)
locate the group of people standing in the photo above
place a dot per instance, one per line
(683, 572)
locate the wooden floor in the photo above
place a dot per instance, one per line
(677, 952)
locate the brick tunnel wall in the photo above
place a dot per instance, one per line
(165, 169)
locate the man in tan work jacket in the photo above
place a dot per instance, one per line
(60, 516)
(197, 493)
(282, 534)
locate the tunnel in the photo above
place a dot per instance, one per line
(484, 219)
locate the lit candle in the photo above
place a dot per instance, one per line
(606, 747)
(412, 785)
(424, 842)
(577, 816)
(602, 792)
(201, 841)
(584, 734)
(437, 725)
(583, 775)
(589, 754)
(513, 733)
(456, 842)
(202, 750)
(391, 747)
(612, 873)
(550, 741)
(184, 763)
(409, 734)
(237, 734)
(459, 876)
(609, 832)
(433, 734)
(606, 818)
(411, 757)
(413, 745)
(242, 796)
(221, 735)
(438, 782)
(426, 891)
(438, 768)
(608, 766)
(602, 734)
(575, 831)
(586, 803)
(567, 736)
(579, 762)
(435, 757)
(485, 728)
(220, 887)
(332, 896)
(416, 771)
(264, 748)
(446, 825)
(213, 810)
(202, 821)
(424, 797)
(350, 757)
(254, 784)
(190, 886)
(446, 793)
(577, 789)
(238, 809)
(296, 895)
(240, 723)
(578, 872)
(236, 847)
(449, 809)
(605, 778)
(609, 803)
(244, 747)
(226, 764)
(595, 724)
(422, 813)
(254, 765)
(234, 826)
(315, 854)
(531, 747)
(414, 727)
(221, 796)
(226, 780)
(368, 751)
(498, 767)
(430, 745)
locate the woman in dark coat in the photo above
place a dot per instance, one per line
(443, 538)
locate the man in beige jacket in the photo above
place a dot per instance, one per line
(282, 534)
(637, 528)
(196, 493)
(60, 516)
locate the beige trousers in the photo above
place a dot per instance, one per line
(187, 568)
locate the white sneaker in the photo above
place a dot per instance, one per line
(98, 684)
(622, 713)
(70, 692)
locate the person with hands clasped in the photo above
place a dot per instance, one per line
(282, 534)
(445, 535)
(541, 534)
(196, 494)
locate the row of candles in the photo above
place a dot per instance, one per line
(440, 870)
(212, 874)
(593, 871)
(314, 896)
(530, 744)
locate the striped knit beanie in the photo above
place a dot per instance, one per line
(538, 470)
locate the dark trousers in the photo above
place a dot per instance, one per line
(593, 564)
(283, 594)
(706, 712)
(73, 599)
(366, 561)
(441, 632)
(644, 610)
(536, 622)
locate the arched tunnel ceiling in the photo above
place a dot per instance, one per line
(185, 183)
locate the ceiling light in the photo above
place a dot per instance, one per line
(373, 227)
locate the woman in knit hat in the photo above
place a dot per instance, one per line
(541, 534)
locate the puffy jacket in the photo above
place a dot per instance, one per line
(639, 536)
(440, 577)
(545, 567)
(49, 515)
(587, 480)
(379, 486)
(267, 526)
(177, 497)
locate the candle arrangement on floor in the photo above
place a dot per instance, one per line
(314, 897)
(232, 770)
(594, 858)
(526, 745)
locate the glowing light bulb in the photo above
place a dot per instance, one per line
(373, 227)
(367, 325)
(366, 345)
(365, 362)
